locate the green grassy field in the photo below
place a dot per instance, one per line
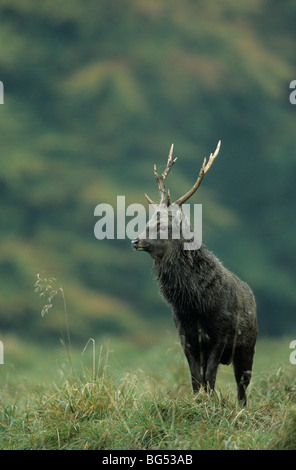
(123, 396)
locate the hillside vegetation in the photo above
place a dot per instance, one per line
(95, 92)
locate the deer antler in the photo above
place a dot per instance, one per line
(204, 169)
(160, 179)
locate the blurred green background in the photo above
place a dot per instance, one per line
(95, 93)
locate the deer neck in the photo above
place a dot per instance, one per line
(180, 274)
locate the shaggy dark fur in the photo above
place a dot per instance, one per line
(214, 311)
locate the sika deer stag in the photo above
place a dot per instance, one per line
(214, 311)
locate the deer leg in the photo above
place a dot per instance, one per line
(243, 362)
(195, 371)
(194, 361)
(196, 377)
(211, 366)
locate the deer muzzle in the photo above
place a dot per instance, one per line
(138, 245)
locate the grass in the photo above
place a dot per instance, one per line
(99, 409)
(100, 399)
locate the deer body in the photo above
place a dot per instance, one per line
(214, 311)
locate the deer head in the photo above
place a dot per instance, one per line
(168, 219)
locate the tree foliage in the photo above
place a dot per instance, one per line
(95, 92)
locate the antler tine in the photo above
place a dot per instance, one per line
(149, 199)
(160, 179)
(204, 169)
(169, 198)
(170, 162)
(212, 157)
